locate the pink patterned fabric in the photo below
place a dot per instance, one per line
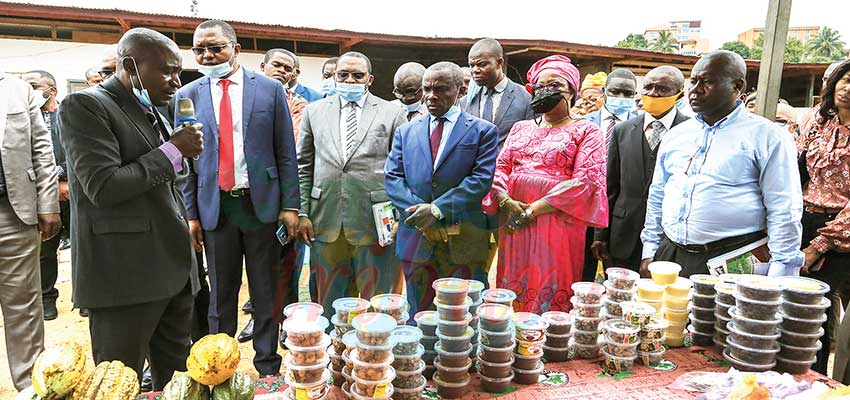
(565, 166)
(558, 64)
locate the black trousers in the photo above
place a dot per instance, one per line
(201, 306)
(833, 272)
(692, 263)
(49, 257)
(159, 330)
(240, 235)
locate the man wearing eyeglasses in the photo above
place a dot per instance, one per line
(244, 186)
(343, 146)
(407, 89)
(109, 62)
(93, 78)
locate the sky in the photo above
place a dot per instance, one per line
(587, 22)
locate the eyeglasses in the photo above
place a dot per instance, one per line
(199, 51)
(105, 73)
(554, 86)
(400, 95)
(342, 75)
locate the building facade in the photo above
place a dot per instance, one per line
(801, 33)
(688, 36)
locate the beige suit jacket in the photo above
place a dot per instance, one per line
(27, 152)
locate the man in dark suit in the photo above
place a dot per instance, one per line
(243, 188)
(631, 162)
(308, 94)
(440, 168)
(134, 268)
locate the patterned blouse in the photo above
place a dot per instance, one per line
(828, 163)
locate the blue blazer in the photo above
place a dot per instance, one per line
(308, 94)
(463, 176)
(269, 147)
(596, 117)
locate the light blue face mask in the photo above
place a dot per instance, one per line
(216, 71)
(413, 107)
(351, 91)
(141, 94)
(619, 105)
(328, 86)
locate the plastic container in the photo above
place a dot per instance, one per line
(408, 362)
(372, 354)
(664, 272)
(306, 373)
(496, 385)
(654, 329)
(414, 393)
(702, 326)
(451, 291)
(390, 303)
(720, 336)
(585, 323)
(653, 345)
(750, 340)
(454, 359)
(494, 354)
(558, 341)
(587, 292)
(756, 309)
(701, 338)
(499, 296)
(761, 288)
(621, 350)
(584, 351)
(347, 308)
(799, 353)
(756, 326)
(303, 309)
(531, 349)
(675, 302)
(317, 390)
(476, 288)
(528, 376)
(427, 322)
(473, 309)
(805, 311)
(454, 327)
(306, 331)
(675, 316)
(496, 339)
(494, 317)
(621, 332)
(453, 374)
(721, 322)
(618, 364)
(530, 327)
(621, 278)
(722, 309)
(585, 337)
(336, 341)
(612, 307)
(495, 370)
(656, 304)
(794, 367)
(452, 312)
(803, 290)
(800, 339)
(308, 356)
(450, 390)
(586, 310)
(556, 354)
(704, 284)
(637, 313)
(703, 314)
(681, 287)
(799, 325)
(647, 289)
(455, 343)
(560, 322)
(617, 295)
(745, 366)
(377, 389)
(674, 340)
(651, 359)
(429, 341)
(752, 355)
(725, 293)
(406, 340)
(703, 301)
(337, 362)
(374, 329)
(340, 328)
(369, 368)
(429, 356)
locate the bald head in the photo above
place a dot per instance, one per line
(142, 42)
(487, 46)
(717, 80)
(409, 71)
(667, 73)
(730, 64)
(407, 83)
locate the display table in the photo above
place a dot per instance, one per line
(581, 380)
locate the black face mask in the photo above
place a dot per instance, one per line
(545, 100)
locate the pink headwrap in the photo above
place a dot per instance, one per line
(558, 64)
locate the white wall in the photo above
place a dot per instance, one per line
(69, 60)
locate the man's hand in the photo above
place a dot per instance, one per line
(644, 267)
(599, 249)
(188, 139)
(305, 230)
(515, 210)
(436, 234)
(64, 193)
(421, 217)
(49, 225)
(812, 257)
(289, 219)
(197, 234)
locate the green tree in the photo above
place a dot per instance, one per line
(737, 47)
(665, 43)
(633, 41)
(827, 44)
(758, 48)
(794, 50)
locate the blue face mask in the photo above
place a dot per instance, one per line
(413, 107)
(328, 87)
(351, 91)
(141, 94)
(619, 105)
(216, 71)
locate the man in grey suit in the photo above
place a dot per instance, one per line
(134, 266)
(29, 214)
(344, 143)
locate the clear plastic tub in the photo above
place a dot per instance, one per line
(675, 302)
(455, 343)
(454, 328)
(494, 317)
(805, 311)
(450, 390)
(528, 376)
(451, 291)
(618, 295)
(368, 353)
(721, 309)
(742, 366)
(674, 340)
(317, 390)
(621, 332)
(306, 373)
(303, 309)
(701, 338)
(526, 348)
(473, 309)
(587, 310)
(654, 329)
(637, 313)
(336, 341)
(453, 374)
(311, 355)
(651, 358)
(495, 370)
(306, 332)
(802, 290)
(720, 336)
(408, 362)
(406, 339)
(756, 287)
(585, 323)
(620, 350)
(647, 289)
(587, 292)
(585, 337)
(349, 339)
(560, 322)
(704, 284)
(390, 303)
(725, 293)
(496, 385)
(664, 272)
(374, 329)
(612, 307)
(702, 326)
(370, 369)
(365, 390)
(452, 312)
(794, 367)
(756, 309)
(452, 359)
(656, 304)
(704, 301)
(530, 327)
(800, 339)
(618, 364)
(347, 308)
(681, 287)
(414, 393)
(799, 325)
(496, 354)
(621, 278)
(751, 355)
(556, 354)
(675, 316)
(586, 352)
(499, 296)
(496, 339)
(755, 326)
(750, 340)
(799, 353)
(703, 314)
(476, 288)
(427, 322)
(340, 328)
(653, 345)
(558, 341)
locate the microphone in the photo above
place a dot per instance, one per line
(186, 114)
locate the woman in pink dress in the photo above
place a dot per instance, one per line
(550, 186)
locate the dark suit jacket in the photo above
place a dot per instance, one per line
(269, 147)
(131, 242)
(514, 106)
(308, 94)
(631, 164)
(462, 178)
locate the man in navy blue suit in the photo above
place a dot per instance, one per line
(243, 187)
(440, 168)
(308, 94)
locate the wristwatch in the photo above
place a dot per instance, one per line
(435, 211)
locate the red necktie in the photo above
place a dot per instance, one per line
(436, 137)
(226, 174)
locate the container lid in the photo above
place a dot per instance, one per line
(438, 347)
(680, 284)
(649, 285)
(441, 367)
(387, 378)
(407, 334)
(508, 349)
(451, 285)
(733, 314)
(420, 350)
(725, 287)
(491, 364)
(497, 380)
(656, 323)
(558, 318)
(803, 285)
(741, 297)
(476, 286)
(704, 279)
(467, 335)
(727, 352)
(637, 307)
(818, 345)
(495, 311)
(781, 316)
(823, 304)
(760, 283)
(730, 278)
(498, 296)
(537, 369)
(326, 341)
(336, 321)
(418, 371)
(350, 304)
(289, 364)
(354, 356)
(577, 303)
(465, 321)
(664, 267)
(693, 330)
(440, 382)
(428, 318)
(606, 354)
(787, 361)
(374, 323)
(303, 308)
(291, 382)
(419, 387)
(577, 317)
(350, 339)
(621, 273)
(529, 321)
(587, 346)
(731, 327)
(609, 288)
(773, 350)
(588, 287)
(818, 334)
(466, 304)
(388, 302)
(305, 324)
(620, 326)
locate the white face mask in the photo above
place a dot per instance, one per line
(39, 97)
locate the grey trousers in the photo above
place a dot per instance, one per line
(20, 293)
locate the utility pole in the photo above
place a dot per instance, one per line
(773, 58)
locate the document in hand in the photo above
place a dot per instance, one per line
(750, 259)
(385, 222)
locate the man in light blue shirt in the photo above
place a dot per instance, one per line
(722, 179)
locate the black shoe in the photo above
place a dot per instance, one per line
(282, 338)
(84, 312)
(50, 311)
(64, 244)
(248, 307)
(247, 333)
(147, 380)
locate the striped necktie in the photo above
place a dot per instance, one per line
(608, 131)
(350, 128)
(654, 136)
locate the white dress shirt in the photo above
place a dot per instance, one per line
(605, 115)
(451, 117)
(235, 92)
(497, 96)
(666, 120)
(343, 126)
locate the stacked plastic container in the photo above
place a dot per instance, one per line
(587, 317)
(408, 364)
(495, 349)
(345, 310)
(803, 312)
(619, 288)
(621, 344)
(675, 300)
(426, 321)
(394, 305)
(723, 302)
(454, 344)
(754, 329)
(703, 317)
(349, 339)
(651, 347)
(307, 361)
(476, 293)
(372, 358)
(530, 338)
(558, 336)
